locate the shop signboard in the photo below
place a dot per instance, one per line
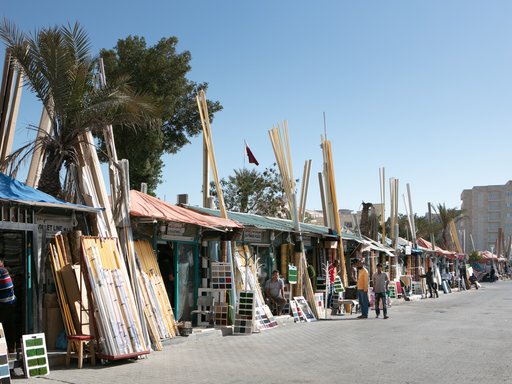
(253, 235)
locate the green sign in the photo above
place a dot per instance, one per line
(292, 274)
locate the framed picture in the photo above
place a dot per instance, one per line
(304, 306)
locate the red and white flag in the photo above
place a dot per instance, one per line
(250, 155)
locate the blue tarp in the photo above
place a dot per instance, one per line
(14, 190)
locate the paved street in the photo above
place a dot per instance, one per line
(458, 338)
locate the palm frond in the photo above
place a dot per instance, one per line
(78, 42)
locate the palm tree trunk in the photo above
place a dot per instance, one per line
(50, 176)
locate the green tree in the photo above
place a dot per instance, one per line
(423, 227)
(159, 71)
(60, 70)
(446, 215)
(475, 257)
(250, 191)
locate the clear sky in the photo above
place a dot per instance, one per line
(421, 88)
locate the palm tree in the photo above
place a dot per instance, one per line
(59, 68)
(446, 215)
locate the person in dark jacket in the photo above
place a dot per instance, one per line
(432, 287)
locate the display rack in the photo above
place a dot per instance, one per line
(245, 315)
(221, 276)
(5, 376)
(35, 357)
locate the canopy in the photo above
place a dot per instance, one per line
(143, 205)
(372, 244)
(426, 246)
(15, 191)
(488, 255)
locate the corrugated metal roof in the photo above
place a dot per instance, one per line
(143, 205)
(276, 224)
(263, 222)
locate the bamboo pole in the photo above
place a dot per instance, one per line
(5, 103)
(281, 146)
(334, 212)
(205, 123)
(322, 197)
(10, 127)
(34, 171)
(382, 174)
(411, 213)
(150, 267)
(304, 189)
(456, 237)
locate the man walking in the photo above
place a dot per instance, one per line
(380, 287)
(432, 287)
(362, 289)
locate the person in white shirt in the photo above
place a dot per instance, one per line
(380, 288)
(274, 291)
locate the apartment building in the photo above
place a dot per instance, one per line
(486, 209)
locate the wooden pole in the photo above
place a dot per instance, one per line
(5, 100)
(333, 211)
(411, 215)
(383, 203)
(13, 115)
(206, 175)
(304, 190)
(205, 122)
(322, 197)
(36, 162)
(283, 157)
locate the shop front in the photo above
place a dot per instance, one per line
(28, 219)
(185, 243)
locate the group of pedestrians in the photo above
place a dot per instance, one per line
(380, 282)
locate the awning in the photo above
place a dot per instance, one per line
(143, 205)
(372, 244)
(488, 255)
(12, 190)
(426, 246)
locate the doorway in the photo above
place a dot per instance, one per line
(15, 247)
(178, 261)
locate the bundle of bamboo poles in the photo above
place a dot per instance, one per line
(280, 144)
(332, 204)
(59, 259)
(207, 137)
(118, 323)
(155, 287)
(243, 259)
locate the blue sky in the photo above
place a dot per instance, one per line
(421, 88)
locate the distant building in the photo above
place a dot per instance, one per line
(348, 219)
(486, 209)
(314, 217)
